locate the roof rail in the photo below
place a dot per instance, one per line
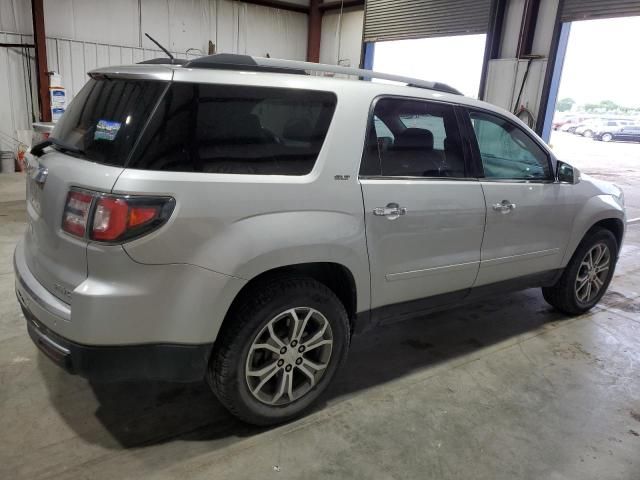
(164, 61)
(226, 61)
(358, 72)
(230, 61)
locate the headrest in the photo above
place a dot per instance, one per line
(414, 138)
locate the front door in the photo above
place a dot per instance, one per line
(529, 215)
(424, 213)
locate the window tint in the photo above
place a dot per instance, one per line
(413, 138)
(105, 118)
(236, 129)
(506, 151)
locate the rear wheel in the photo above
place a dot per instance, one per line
(280, 351)
(587, 276)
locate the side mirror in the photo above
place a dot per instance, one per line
(565, 173)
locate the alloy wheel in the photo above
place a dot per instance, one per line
(592, 273)
(289, 356)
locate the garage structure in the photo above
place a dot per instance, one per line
(521, 67)
(506, 388)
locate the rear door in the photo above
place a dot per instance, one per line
(424, 210)
(90, 145)
(529, 215)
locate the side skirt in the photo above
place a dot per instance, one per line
(387, 314)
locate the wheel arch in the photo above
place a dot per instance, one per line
(612, 220)
(335, 276)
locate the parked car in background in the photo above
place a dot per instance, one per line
(588, 129)
(575, 122)
(559, 121)
(627, 133)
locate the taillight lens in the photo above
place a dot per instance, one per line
(110, 219)
(76, 213)
(114, 218)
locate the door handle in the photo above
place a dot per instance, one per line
(505, 206)
(391, 211)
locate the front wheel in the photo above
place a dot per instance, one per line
(587, 275)
(607, 137)
(279, 350)
(587, 133)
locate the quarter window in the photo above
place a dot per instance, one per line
(507, 152)
(236, 129)
(413, 138)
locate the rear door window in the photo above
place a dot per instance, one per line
(413, 138)
(105, 118)
(236, 129)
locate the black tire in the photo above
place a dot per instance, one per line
(563, 294)
(226, 373)
(587, 133)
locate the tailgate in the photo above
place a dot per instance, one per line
(57, 259)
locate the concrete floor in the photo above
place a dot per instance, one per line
(507, 388)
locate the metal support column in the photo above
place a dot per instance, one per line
(39, 39)
(315, 30)
(554, 85)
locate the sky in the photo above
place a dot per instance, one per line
(456, 61)
(603, 62)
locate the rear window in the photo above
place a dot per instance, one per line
(236, 129)
(104, 120)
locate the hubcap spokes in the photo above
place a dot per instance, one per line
(289, 356)
(592, 273)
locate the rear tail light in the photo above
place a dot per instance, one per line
(76, 213)
(114, 218)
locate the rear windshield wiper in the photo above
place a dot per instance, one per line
(38, 149)
(66, 147)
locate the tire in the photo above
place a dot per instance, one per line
(566, 295)
(246, 346)
(607, 137)
(587, 133)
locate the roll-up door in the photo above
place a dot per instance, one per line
(591, 9)
(400, 19)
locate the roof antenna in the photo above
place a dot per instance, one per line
(160, 46)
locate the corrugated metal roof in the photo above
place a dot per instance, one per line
(402, 19)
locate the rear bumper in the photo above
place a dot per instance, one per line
(178, 363)
(48, 318)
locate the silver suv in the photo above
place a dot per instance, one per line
(239, 219)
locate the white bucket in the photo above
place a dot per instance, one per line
(7, 162)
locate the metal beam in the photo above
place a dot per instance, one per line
(17, 45)
(527, 27)
(554, 70)
(334, 5)
(314, 31)
(292, 7)
(42, 73)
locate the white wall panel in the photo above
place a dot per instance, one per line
(281, 34)
(181, 25)
(341, 40)
(15, 97)
(15, 16)
(113, 21)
